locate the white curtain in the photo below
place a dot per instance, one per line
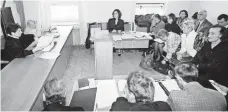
(44, 11)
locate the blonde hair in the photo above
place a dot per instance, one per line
(141, 86)
(189, 23)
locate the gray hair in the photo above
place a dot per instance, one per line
(141, 86)
(54, 90)
(203, 10)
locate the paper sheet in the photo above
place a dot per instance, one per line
(44, 41)
(106, 93)
(49, 47)
(170, 85)
(116, 37)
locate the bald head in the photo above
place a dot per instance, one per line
(202, 14)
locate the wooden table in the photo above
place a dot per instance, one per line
(23, 78)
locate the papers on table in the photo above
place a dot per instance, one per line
(106, 93)
(160, 94)
(117, 37)
(159, 40)
(170, 85)
(44, 41)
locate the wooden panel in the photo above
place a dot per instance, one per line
(103, 58)
(23, 78)
(131, 43)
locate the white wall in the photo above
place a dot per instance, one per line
(214, 8)
(101, 11)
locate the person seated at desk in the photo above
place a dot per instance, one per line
(54, 90)
(15, 45)
(193, 96)
(116, 24)
(156, 24)
(188, 39)
(139, 95)
(168, 42)
(212, 59)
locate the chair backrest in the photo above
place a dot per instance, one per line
(141, 29)
(127, 27)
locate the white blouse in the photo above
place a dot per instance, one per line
(187, 43)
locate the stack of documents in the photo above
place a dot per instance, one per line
(44, 41)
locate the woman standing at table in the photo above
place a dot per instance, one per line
(14, 47)
(116, 24)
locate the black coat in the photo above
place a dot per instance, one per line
(15, 48)
(173, 28)
(113, 26)
(59, 107)
(213, 63)
(122, 104)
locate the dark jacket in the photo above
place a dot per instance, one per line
(173, 28)
(59, 107)
(122, 104)
(113, 26)
(213, 63)
(15, 49)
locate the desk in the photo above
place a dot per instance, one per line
(23, 78)
(109, 90)
(103, 44)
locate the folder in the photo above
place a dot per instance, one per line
(84, 98)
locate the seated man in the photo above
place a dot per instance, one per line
(212, 59)
(193, 96)
(54, 90)
(139, 96)
(223, 21)
(202, 25)
(188, 37)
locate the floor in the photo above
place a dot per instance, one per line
(81, 65)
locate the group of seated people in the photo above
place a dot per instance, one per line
(139, 94)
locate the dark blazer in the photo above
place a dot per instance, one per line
(122, 104)
(15, 49)
(59, 107)
(204, 27)
(173, 28)
(213, 63)
(113, 26)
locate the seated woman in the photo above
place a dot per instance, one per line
(183, 16)
(15, 45)
(116, 24)
(157, 24)
(188, 39)
(139, 95)
(55, 92)
(170, 41)
(172, 25)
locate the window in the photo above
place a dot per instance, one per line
(64, 14)
(149, 8)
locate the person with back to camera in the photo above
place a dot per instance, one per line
(193, 96)
(116, 24)
(139, 95)
(55, 94)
